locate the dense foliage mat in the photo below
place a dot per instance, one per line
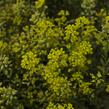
(54, 54)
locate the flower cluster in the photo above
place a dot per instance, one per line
(59, 106)
(29, 61)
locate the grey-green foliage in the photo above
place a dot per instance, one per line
(8, 98)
